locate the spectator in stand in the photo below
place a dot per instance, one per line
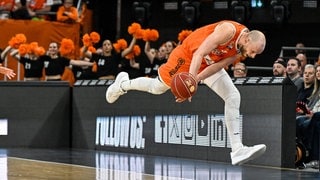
(21, 11)
(307, 126)
(300, 45)
(279, 68)
(309, 77)
(293, 72)
(67, 13)
(240, 70)
(6, 6)
(55, 4)
(303, 59)
(37, 9)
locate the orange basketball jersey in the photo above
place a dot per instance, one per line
(180, 59)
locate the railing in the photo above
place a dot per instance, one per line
(289, 48)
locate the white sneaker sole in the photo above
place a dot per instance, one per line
(259, 150)
(108, 95)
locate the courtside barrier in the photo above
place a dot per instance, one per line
(154, 124)
(35, 114)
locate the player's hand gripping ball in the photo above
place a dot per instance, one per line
(183, 85)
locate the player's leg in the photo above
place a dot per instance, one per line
(145, 84)
(222, 84)
(122, 84)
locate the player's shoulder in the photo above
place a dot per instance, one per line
(226, 26)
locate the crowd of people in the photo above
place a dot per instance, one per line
(55, 10)
(95, 62)
(306, 77)
(114, 58)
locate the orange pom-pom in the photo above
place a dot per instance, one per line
(129, 56)
(21, 38)
(135, 52)
(13, 43)
(17, 40)
(120, 45)
(183, 35)
(23, 49)
(94, 67)
(154, 35)
(150, 35)
(39, 51)
(67, 47)
(32, 47)
(92, 49)
(123, 43)
(116, 47)
(86, 40)
(139, 34)
(146, 33)
(95, 37)
(134, 28)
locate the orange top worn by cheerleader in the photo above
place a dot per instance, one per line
(180, 58)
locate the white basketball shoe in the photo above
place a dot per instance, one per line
(245, 154)
(114, 91)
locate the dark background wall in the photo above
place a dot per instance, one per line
(301, 25)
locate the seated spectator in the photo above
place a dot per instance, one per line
(309, 77)
(279, 68)
(37, 9)
(21, 10)
(6, 7)
(303, 59)
(67, 13)
(43, 9)
(54, 8)
(293, 72)
(300, 45)
(307, 127)
(240, 70)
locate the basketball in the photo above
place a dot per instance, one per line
(183, 85)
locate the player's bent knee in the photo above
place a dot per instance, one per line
(233, 100)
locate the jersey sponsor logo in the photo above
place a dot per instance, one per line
(180, 62)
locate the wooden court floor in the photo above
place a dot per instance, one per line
(26, 163)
